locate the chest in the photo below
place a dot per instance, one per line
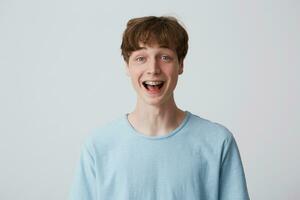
(172, 167)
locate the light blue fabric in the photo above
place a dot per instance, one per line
(199, 160)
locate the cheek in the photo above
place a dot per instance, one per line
(134, 72)
(171, 72)
(167, 71)
(136, 76)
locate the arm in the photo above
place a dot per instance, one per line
(232, 184)
(83, 187)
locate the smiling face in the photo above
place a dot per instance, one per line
(154, 73)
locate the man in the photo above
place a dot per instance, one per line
(158, 151)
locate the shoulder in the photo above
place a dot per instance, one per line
(209, 130)
(103, 137)
(212, 139)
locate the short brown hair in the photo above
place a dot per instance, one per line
(164, 30)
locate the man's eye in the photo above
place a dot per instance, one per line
(165, 58)
(140, 59)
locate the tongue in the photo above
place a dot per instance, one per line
(153, 88)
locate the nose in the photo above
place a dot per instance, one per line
(153, 67)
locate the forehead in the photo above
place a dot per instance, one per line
(153, 47)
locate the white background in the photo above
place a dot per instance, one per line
(62, 75)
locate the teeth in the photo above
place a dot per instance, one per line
(153, 82)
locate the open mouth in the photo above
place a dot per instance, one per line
(153, 86)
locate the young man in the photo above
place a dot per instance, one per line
(158, 151)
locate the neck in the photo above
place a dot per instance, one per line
(155, 120)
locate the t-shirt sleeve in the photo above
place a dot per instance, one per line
(83, 186)
(232, 177)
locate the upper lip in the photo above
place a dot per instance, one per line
(153, 80)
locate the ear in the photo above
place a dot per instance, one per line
(180, 69)
(127, 69)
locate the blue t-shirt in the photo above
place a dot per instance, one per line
(199, 160)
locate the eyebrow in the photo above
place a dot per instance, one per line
(160, 46)
(166, 47)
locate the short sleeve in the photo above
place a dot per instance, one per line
(232, 184)
(83, 186)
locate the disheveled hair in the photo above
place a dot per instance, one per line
(166, 31)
